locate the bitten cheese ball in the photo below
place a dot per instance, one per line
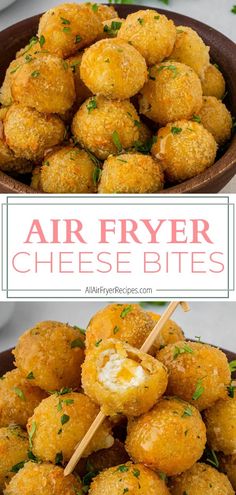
(198, 373)
(213, 83)
(170, 332)
(228, 466)
(69, 170)
(172, 92)
(98, 119)
(103, 459)
(43, 479)
(220, 421)
(45, 83)
(152, 34)
(69, 27)
(184, 149)
(170, 438)
(216, 118)
(18, 398)
(29, 134)
(190, 49)
(82, 92)
(9, 162)
(128, 478)
(114, 69)
(126, 322)
(53, 353)
(122, 379)
(14, 446)
(131, 173)
(201, 478)
(60, 422)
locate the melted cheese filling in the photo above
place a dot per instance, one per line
(120, 373)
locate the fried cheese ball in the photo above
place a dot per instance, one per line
(220, 421)
(43, 479)
(126, 322)
(184, 149)
(53, 352)
(69, 27)
(103, 459)
(228, 466)
(170, 332)
(151, 33)
(14, 446)
(82, 92)
(60, 422)
(5, 91)
(114, 69)
(216, 118)
(45, 83)
(172, 92)
(128, 478)
(213, 83)
(98, 119)
(18, 398)
(201, 478)
(190, 49)
(69, 170)
(169, 438)
(198, 373)
(29, 133)
(10, 163)
(122, 379)
(131, 173)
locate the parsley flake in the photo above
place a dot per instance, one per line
(58, 458)
(19, 392)
(31, 433)
(197, 119)
(30, 376)
(126, 311)
(42, 40)
(232, 366)
(96, 175)
(92, 104)
(141, 21)
(78, 38)
(176, 130)
(198, 390)
(77, 343)
(35, 74)
(233, 10)
(116, 141)
(123, 468)
(64, 419)
(17, 467)
(98, 343)
(182, 350)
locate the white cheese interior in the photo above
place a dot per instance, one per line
(119, 373)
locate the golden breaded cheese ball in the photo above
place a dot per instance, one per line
(69, 170)
(216, 118)
(184, 149)
(29, 134)
(69, 27)
(45, 83)
(213, 83)
(170, 438)
(114, 69)
(220, 421)
(60, 422)
(6, 98)
(127, 322)
(172, 92)
(14, 446)
(122, 379)
(103, 459)
(10, 163)
(191, 50)
(43, 479)
(228, 466)
(198, 373)
(151, 33)
(53, 352)
(98, 121)
(171, 332)
(128, 478)
(131, 173)
(18, 398)
(201, 478)
(82, 92)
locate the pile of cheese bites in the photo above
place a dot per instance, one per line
(95, 103)
(162, 408)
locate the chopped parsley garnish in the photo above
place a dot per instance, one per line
(58, 458)
(116, 330)
(157, 17)
(42, 40)
(125, 490)
(75, 66)
(123, 468)
(64, 419)
(172, 68)
(92, 104)
(65, 21)
(98, 343)
(63, 391)
(94, 7)
(116, 141)
(212, 459)
(31, 434)
(65, 65)
(198, 390)
(182, 350)
(96, 175)
(163, 476)
(66, 29)
(19, 392)
(30, 376)
(150, 75)
(197, 119)
(113, 28)
(136, 473)
(137, 123)
(232, 366)
(141, 21)
(32, 457)
(125, 311)
(77, 343)
(35, 74)
(67, 402)
(231, 390)
(233, 10)
(78, 38)
(176, 130)
(17, 467)
(187, 412)
(14, 70)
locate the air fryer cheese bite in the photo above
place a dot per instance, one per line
(122, 379)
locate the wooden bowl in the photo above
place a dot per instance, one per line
(223, 52)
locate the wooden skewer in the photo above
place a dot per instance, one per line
(101, 417)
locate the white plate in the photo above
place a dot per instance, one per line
(5, 3)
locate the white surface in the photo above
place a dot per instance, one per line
(216, 13)
(214, 322)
